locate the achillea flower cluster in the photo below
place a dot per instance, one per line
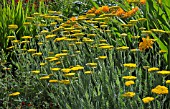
(129, 94)
(88, 72)
(163, 72)
(53, 81)
(129, 83)
(146, 44)
(160, 90)
(147, 99)
(64, 81)
(14, 94)
(129, 77)
(153, 69)
(167, 81)
(130, 65)
(69, 74)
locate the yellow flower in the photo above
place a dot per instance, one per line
(22, 42)
(135, 37)
(35, 71)
(102, 57)
(44, 77)
(104, 44)
(36, 14)
(44, 31)
(69, 74)
(64, 51)
(163, 51)
(133, 21)
(55, 69)
(77, 68)
(163, 72)
(153, 69)
(103, 40)
(30, 18)
(13, 26)
(78, 34)
(158, 31)
(11, 37)
(66, 70)
(57, 63)
(87, 40)
(91, 35)
(146, 32)
(90, 15)
(76, 31)
(122, 48)
(77, 51)
(14, 94)
(129, 94)
(61, 54)
(92, 64)
(160, 90)
(42, 64)
(26, 37)
(65, 81)
(15, 41)
(106, 47)
(134, 50)
(11, 47)
(99, 19)
(37, 54)
(40, 43)
(147, 99)
(130, 65)
(32, 50)
(123, 34)
(53, 81)
(68, 29)
(26, 23)
(59, 39)
(167, 81)
(128, 83)
(50, 36)
(48, 58)
(53, 59)
(103, 26)
(142, 19)
(108, 31)
(88, 72)
(92, 22)
(50, 53)
(53, 23)
(129, 77)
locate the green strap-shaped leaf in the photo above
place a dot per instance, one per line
(94, 4)
(161, 45)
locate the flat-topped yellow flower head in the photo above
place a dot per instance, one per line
(129, 94)
(129, 77)
(130, 65)
(160, 90)
(14, 94)
(147, 99)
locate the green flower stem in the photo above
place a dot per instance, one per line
(168, 54)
